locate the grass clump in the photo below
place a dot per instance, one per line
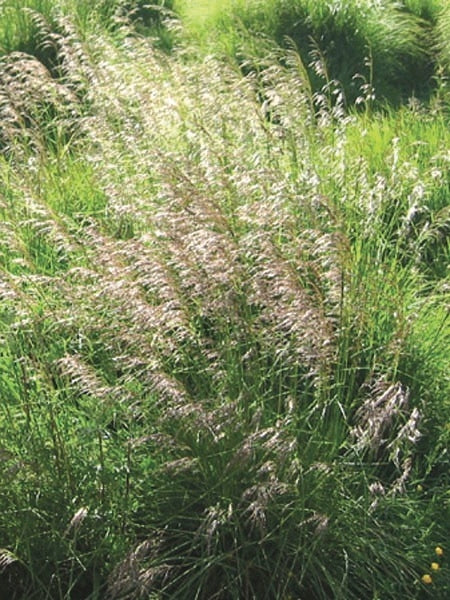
(444, 31)
(224, 332)
(385, 45)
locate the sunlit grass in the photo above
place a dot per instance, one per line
(223, 329)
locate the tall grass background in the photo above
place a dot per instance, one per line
(394, 48)
(223, 303)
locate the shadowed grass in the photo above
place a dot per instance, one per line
(390, 46)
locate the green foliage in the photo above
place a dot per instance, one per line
(23, 29)
(444, 36)
(424, 9)
(388, 46)
(33, 26)
(223, 319)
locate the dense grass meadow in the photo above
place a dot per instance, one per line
(224, 300)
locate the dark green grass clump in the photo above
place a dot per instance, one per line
(388, 47)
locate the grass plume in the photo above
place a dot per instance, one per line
(224, 328)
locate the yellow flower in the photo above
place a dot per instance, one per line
(426, 578)
(435, 566)
(439, 551)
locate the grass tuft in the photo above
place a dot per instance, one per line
(223, 316)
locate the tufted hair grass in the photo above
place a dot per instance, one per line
(224, 333)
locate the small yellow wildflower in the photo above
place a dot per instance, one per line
(435, 566)
(426, 578)
(439, 551)
(420, 488)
